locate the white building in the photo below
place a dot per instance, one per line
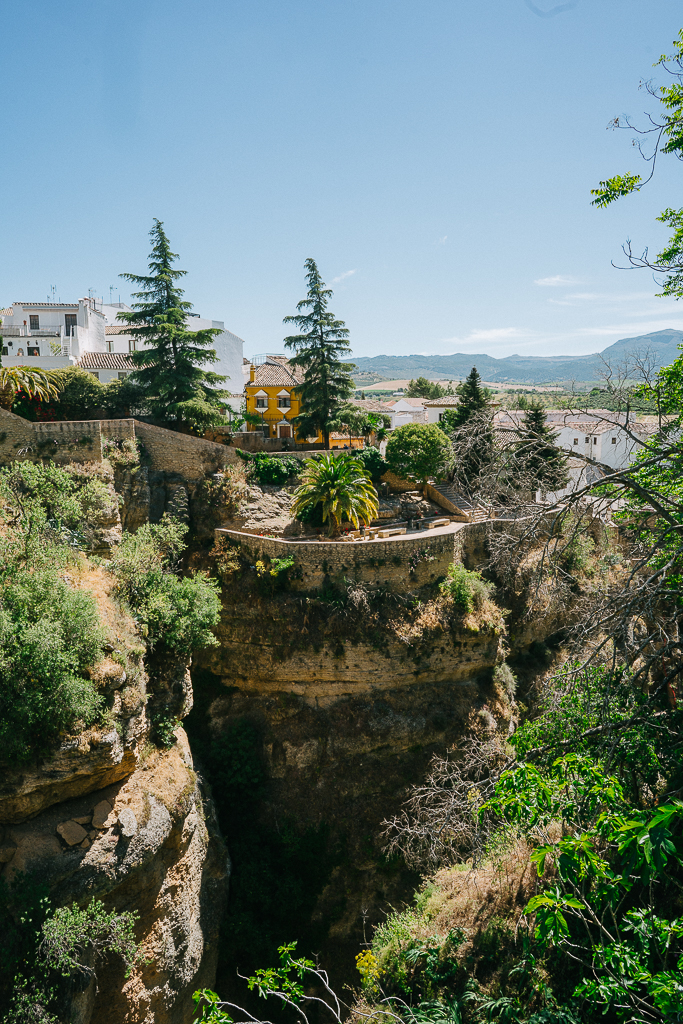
(436, 407)
(87, 333)
(598, 434)
(54, 334)
(409, 410)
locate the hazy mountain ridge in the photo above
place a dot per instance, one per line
(517, 369)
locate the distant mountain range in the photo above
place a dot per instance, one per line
(525, 369)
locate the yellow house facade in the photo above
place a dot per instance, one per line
(271, 394)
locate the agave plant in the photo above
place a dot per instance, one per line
(341, 486)
(43, 384)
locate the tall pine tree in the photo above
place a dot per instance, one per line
(473, 398)
(177, 390)
(538, 462)
(318, 349)
(471, 424)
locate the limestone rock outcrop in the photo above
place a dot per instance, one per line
(150, 845)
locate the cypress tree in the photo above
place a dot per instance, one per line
(176, 389)
(318, 349)
(537, 456)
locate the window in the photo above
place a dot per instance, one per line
(33, 351)
(261, 403)
(576, 440)
(284, 403)
(595, 440)
(614, 440)
(95, 373)
(586, 440)
(122, 374)
(34, 322)
(69, 324)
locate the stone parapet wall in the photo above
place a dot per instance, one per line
(81, 441)
(401, 564)
(121, 430)
(61, 441)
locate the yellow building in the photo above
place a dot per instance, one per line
(271, 393)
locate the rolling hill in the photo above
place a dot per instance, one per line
(663, 345)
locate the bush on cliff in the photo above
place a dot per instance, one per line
(269, 470)
(50, 633)
(467, 589)
(176, 613)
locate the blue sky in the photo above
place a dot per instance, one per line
(435, 158)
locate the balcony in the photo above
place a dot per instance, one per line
(11, 331)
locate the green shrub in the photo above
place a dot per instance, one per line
(268, 470)
(49, 634)
(373, 462)
(176, 613)
(66, 954)
(505, 677)
(275, 575)
(467, 589)
(40, 496)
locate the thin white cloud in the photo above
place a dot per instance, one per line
(496, 334)
(573, 297)
(442, 241)
(558, 281)
(342, 277)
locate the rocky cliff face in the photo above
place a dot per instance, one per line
(147, 843)
(348, 711)
(112, 816)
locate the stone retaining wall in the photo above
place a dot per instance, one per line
(81, 441)
(401, 564)
(191, 457)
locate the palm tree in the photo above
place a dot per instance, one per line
(341, 486)
(42, 384)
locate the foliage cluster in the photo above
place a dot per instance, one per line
(50, 633)
(467, 589)
(424, 388)
(269, 470)
(50, 955)
(373, 463)
(418, 451)
(176, 613)
(169, 368)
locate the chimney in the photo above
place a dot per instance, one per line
(252, 373)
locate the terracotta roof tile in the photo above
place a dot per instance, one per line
(275, 374)
(448, 402)
(105, 361)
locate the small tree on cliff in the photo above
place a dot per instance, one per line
(318, 349)
(177, 390)
(417, 451)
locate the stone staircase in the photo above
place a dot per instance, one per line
(456, 503)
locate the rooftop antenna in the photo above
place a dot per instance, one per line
(111, 289)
